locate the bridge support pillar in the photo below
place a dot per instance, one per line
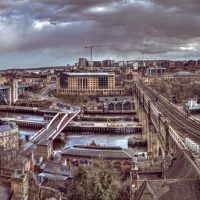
(13, 92)
(145, 124)
(153, 144)
(138, 108)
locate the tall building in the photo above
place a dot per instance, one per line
(107, 63)
(101, 83)
(9, 136)
(82, 62)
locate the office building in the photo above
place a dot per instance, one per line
(98, 83)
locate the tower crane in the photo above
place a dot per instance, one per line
(94, 46)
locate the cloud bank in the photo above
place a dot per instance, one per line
(55, 32)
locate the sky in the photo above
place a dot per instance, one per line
(35, 33)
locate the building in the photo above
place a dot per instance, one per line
(179, 189)
(117, 104)
(120, 159)
(9, 136)
(192, 105)
(98, 83)
(186, 75)
(156, 70)
(96, 63)
(107, 63)
(82, 62)
(181, 180)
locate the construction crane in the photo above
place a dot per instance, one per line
(94, 46)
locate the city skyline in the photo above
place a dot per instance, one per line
(55, 32)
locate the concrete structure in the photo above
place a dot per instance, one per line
(153, 109)
(9, 93)
(14, 91)
(120, 159)
(99, 83)
(156, 70)
(9, 136)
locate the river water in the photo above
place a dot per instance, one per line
(75, 138)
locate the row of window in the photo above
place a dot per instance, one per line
(91, 91)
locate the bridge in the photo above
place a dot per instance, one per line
(166, 126)
(9, 93)
(44, 137)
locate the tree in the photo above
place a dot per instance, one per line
(93, 183)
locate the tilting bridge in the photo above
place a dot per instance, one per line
(171, 123)
(46, 135)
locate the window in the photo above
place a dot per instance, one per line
(103, 82)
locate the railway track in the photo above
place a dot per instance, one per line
(177, 118)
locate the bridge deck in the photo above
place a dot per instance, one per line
(47, 134)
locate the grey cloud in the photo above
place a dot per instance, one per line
(159, 28)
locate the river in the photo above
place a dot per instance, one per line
(75, 138)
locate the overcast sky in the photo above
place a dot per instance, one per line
(54, 32)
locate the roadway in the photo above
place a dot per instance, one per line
(55, 126)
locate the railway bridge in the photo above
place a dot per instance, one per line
(165, 125)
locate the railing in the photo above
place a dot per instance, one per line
(177, 138)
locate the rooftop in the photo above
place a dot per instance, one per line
(7, 127)
(177, 189)
(89, 74)
(183, 166)
(116, 98)
(98, 152)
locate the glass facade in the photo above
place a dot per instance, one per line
(103, 82)
(64, 80)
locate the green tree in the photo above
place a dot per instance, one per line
(93, 183)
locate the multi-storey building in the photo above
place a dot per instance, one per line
(9, 136)
(101, 83)
(156, 70)
(82, 62)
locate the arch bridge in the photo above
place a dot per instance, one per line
(165, 125)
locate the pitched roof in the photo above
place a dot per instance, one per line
(97, 152)
(173, 189)
(183, 166)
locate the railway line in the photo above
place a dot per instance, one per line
(178, 118)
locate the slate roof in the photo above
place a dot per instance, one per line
(171, 189)
(6, 127)
(183, 166)
(97, 152)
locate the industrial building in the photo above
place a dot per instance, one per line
(98, 83)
